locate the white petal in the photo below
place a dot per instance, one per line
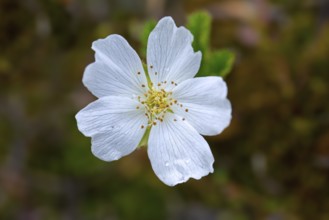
(117, 71)
(209, 111)
(177, 152)
(170, 56)
(114, 124)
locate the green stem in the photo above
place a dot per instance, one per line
(145, 138)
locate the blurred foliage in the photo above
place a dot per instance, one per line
(271, 163)
(199, 23)
(148, 27)
(217, 63)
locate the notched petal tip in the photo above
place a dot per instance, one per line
(112, 37)
(104, 153)
(168, 19)
(184, 179)
(80, 120)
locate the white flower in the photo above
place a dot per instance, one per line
(168, 102)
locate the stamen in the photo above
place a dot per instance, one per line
(156, 103)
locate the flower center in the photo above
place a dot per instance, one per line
(156, 103)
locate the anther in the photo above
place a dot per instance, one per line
(142, 126)
(183, 119)
(151, 67)
(138, 73)
(175, 119)
(137, 107)
(154, 123)
(186, 110)
(155, 73)
(143, 85)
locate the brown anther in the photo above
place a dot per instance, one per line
(186, 110)
(181, 105)
(142, 126)
(172, 82)
(151, 67)
(155, 73)
(175, 119)
(154, 123)
(138, 73)
(175, 101)
(165, 82)
(159, 84)
(183, 119)
(143, 85)
(137, 107)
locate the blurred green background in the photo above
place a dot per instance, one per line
(271, 163)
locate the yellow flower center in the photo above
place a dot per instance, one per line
(156, 103)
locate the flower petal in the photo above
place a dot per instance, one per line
(170, 56)
(204, 104)
(114, 124)
(177, 152)
(117, 71)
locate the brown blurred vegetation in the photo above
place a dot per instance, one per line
(271, 163)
